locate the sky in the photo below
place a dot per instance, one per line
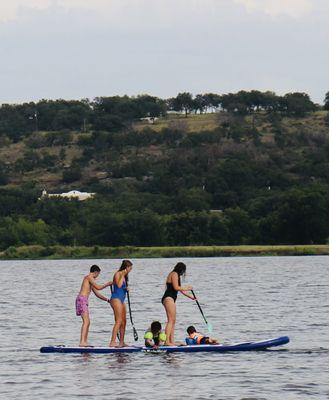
(76, 49)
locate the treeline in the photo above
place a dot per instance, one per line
(118, 112)
(289, 217)
(260, 175)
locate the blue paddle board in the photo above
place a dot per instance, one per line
(220, 348)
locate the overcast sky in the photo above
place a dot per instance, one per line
(74, 49)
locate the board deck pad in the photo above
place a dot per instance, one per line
(221, 348)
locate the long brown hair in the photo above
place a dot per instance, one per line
(124, 265)
(180, 269)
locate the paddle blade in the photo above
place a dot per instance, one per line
(209, 326)
(135, 335)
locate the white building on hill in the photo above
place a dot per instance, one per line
(73, 194)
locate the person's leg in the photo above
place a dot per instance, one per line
(123, 325)
(170, 308)
(84, 329)
(172, 333)
(117, 310)
(209, 340)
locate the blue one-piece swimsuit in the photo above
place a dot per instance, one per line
(119, 292)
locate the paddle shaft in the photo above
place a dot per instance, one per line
(205, 320)
(131, 318)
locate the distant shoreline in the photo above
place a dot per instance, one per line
(79, 252)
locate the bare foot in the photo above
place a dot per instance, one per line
(85, 345)
(113, 344)
(170, 344)
(123, 345)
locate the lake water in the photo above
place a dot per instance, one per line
(244, 298)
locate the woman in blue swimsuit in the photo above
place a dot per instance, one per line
(119, 291)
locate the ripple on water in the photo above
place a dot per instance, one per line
(244, 299)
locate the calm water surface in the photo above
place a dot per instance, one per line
(244, 299)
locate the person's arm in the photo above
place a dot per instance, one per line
(100, 296)
(190, 296)
(148, 343)
(97, 286)
(174, 282)
(119, 277)
(162, 339)
(148, 339)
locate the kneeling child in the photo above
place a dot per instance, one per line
(154, 336)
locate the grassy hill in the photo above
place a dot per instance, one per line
(43, 161)
(211, 180)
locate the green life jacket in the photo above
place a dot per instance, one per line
(157, 338)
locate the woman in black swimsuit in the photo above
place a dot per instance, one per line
(173, 286)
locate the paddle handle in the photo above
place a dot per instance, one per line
(205, 320)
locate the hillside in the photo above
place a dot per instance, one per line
(34, 160)
(208, 179)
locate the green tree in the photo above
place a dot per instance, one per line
(326, 102)
(3, 174)
(72, 174)
(194, 199)
(191, 228)
(24, 232)
(200, 103)
(297, 104)
(183, 102)
(240, 226)
(302, 217)
(212, 101)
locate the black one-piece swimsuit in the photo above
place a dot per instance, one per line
(170, 292)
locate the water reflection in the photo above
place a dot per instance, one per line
(118, 361)
(86, 357)
(173, 359)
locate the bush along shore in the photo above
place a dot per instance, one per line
(79, 252)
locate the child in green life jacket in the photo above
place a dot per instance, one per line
(195, 337)
(154, 336)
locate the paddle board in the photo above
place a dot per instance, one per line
(221, 348)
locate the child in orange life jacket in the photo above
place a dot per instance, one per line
(195, 337)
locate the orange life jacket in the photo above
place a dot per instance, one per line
(197, 337)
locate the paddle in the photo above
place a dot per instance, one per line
(131, 318)
(209, 326)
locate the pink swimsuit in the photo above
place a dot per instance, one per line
(81, 304)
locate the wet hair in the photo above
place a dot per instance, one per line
(180, 268)
(95, 268)
(190, 330)
(155, 326)
(124, 265)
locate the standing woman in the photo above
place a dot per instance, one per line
(173, 286)
(120, 283)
